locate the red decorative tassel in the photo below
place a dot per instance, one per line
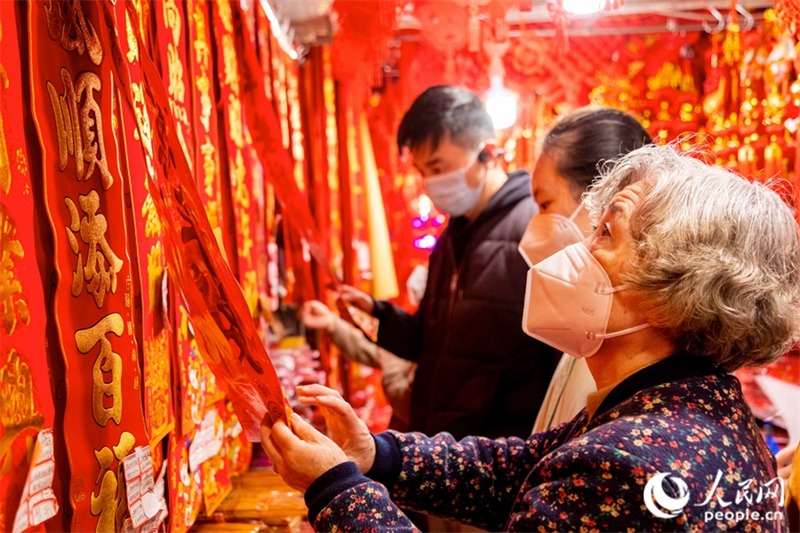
(611, 5)
(474, 33)
(560, 21)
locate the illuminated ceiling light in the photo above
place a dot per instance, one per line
(501, 104)
(583, 7)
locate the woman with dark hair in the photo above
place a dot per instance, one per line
(569, 161)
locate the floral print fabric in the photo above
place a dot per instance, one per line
(586, 475)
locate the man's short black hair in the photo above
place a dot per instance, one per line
(445, 111)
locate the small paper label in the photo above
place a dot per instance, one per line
(38, 502)
(139, 482)
(207, 441)
(149, 510)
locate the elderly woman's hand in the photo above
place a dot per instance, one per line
(300, 457)
(344, 426)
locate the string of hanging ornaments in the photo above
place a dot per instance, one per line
(789, 12)
(562, 10)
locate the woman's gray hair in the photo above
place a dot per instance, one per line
(717, 256)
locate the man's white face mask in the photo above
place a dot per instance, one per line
(451, 193)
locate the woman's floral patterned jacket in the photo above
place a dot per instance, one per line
(680, 417)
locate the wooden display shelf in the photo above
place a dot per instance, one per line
(259, 502)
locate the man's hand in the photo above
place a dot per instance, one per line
(357, 298)
(316, 315)
(300, 457)
(344, 426)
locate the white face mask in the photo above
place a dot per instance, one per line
(548, 234)
(451, 194)
(568, 302)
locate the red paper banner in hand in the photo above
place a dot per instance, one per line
(226, 334)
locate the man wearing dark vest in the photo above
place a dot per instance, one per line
(478, 373)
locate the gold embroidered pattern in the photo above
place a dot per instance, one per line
(207, 149)
(156, 379)
(79, 126)
(5, 167)
(102, 264)
(13, 308)
(66, 23)
(152, 224)
(143, 127)
(17, 408)
(108, 504)
(133, 45)
(107, 370)
(209, 168)
(22, 165)
(230, 67)
(155, 273)
(176, 86)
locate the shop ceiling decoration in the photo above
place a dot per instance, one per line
(442, 25)
(356, 54)
(789, 11)
(458, 32)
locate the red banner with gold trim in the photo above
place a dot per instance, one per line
(219, 313)
(194, 376)
(73, 90)
(263, 42)
(26, 403)
(150, 266)
(258, 210)
(206, 158)
(236, 156)
(267, 137)
(193, 369)
(171, 41)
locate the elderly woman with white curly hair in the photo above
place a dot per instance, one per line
(691, 273)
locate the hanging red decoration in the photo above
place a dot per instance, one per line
(527, 56)
(789, 12)
(560, 21)
(356, 55)
(611, 5)
(443, 25)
